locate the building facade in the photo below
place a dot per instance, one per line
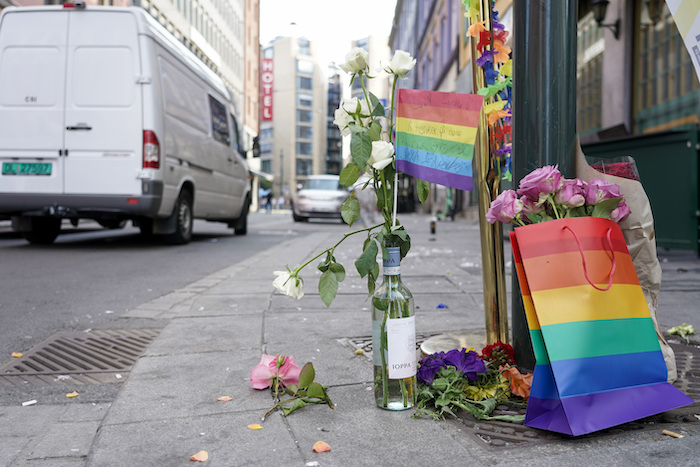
(293, 133)
(334, 141)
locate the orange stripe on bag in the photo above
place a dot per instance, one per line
(566, 270)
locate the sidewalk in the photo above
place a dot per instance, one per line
(167, 410)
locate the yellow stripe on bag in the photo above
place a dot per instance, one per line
(584, 303)
(532, 321)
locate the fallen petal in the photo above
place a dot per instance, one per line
(224, 398)
(17, 354)
(201, 456)
(255, 426)
(72, 394)
(321, 446)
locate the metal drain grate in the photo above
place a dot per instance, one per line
(93, 357)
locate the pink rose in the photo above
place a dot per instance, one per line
(539, 183)
(270, 367)
(600, 190)
(530, 206)
(504, 208)
(572, 193)
(621, 212)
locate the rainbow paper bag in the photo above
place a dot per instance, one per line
(598, 360)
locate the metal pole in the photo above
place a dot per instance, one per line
(544, 110)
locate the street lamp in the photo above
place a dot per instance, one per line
(599, 9)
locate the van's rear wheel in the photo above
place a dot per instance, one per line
(240, 227)
(183, 220)
(44, 230)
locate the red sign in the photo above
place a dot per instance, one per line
(266, 79)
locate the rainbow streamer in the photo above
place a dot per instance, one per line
(598, 360)
(435, 136)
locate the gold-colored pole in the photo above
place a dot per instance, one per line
(487, 175)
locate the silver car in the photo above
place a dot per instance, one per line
(320, 196)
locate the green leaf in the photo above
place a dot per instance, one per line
(298, 404)
(307, 375)
(377, 107)
(328, 287)
(375, 130)
(315, 390)
(326, 398)
(423, 190)
(380, 304)
(349, 174)
(350, 210)
(604, 208)
(360, 148)
(338, 270)
(291, 389)
(367, 260)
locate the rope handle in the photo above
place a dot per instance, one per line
(608, 237)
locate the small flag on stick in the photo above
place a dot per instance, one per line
(435, 135)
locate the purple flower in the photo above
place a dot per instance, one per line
(572, 193)
(600, 190)
(486, 56)
(468, 363)
(430, 366)
(621, 212)
(530, 206)
(539, 183)
(504, 208)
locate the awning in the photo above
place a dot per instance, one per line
(268, 177)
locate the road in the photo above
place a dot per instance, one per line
(90, 277)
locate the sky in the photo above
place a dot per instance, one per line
(330, 24)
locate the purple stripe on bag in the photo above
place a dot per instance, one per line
(592, 412)
(597, 374)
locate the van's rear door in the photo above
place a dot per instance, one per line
(32, 83)
(104, 132)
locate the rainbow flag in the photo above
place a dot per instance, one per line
(435, 135)
(598, 359)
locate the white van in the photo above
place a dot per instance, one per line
(104, 115)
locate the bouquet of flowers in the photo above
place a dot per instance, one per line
(462, 379)
(544, 195)
(372, 152)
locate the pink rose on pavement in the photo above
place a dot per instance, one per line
(539, 183)
(504, 208)
(572, 193)
(270, 367)
(600, 190)
(621, 212)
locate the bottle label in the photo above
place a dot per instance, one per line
(401, 347)
(392, 264)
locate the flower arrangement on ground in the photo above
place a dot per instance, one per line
(462, 379)
(372, 150)
(544, 195)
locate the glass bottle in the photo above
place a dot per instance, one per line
(394, 338)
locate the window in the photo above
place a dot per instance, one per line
(305, 132)
(305, 100)
(305, 148)
(236, 142)
(304, 166)
(266, 133)
(589, 75)
(268, 53)
(666, 88)
(219, 121)
(305, 66)
(305, 116)
(304, 46)
(304, 82)
(266, 147)
(266, 166)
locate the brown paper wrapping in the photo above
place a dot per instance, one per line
(638, 230)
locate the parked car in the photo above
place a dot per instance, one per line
(320, 196)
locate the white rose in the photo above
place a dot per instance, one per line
(288, 283)
(355, 61)
(342, 120)
(382, 155)
(401, 63)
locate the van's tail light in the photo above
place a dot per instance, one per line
(151, 150)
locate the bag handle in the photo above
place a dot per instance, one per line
(608, 237)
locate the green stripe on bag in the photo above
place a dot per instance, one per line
(585, 339)
(541, 357)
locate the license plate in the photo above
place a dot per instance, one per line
(26, 168)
